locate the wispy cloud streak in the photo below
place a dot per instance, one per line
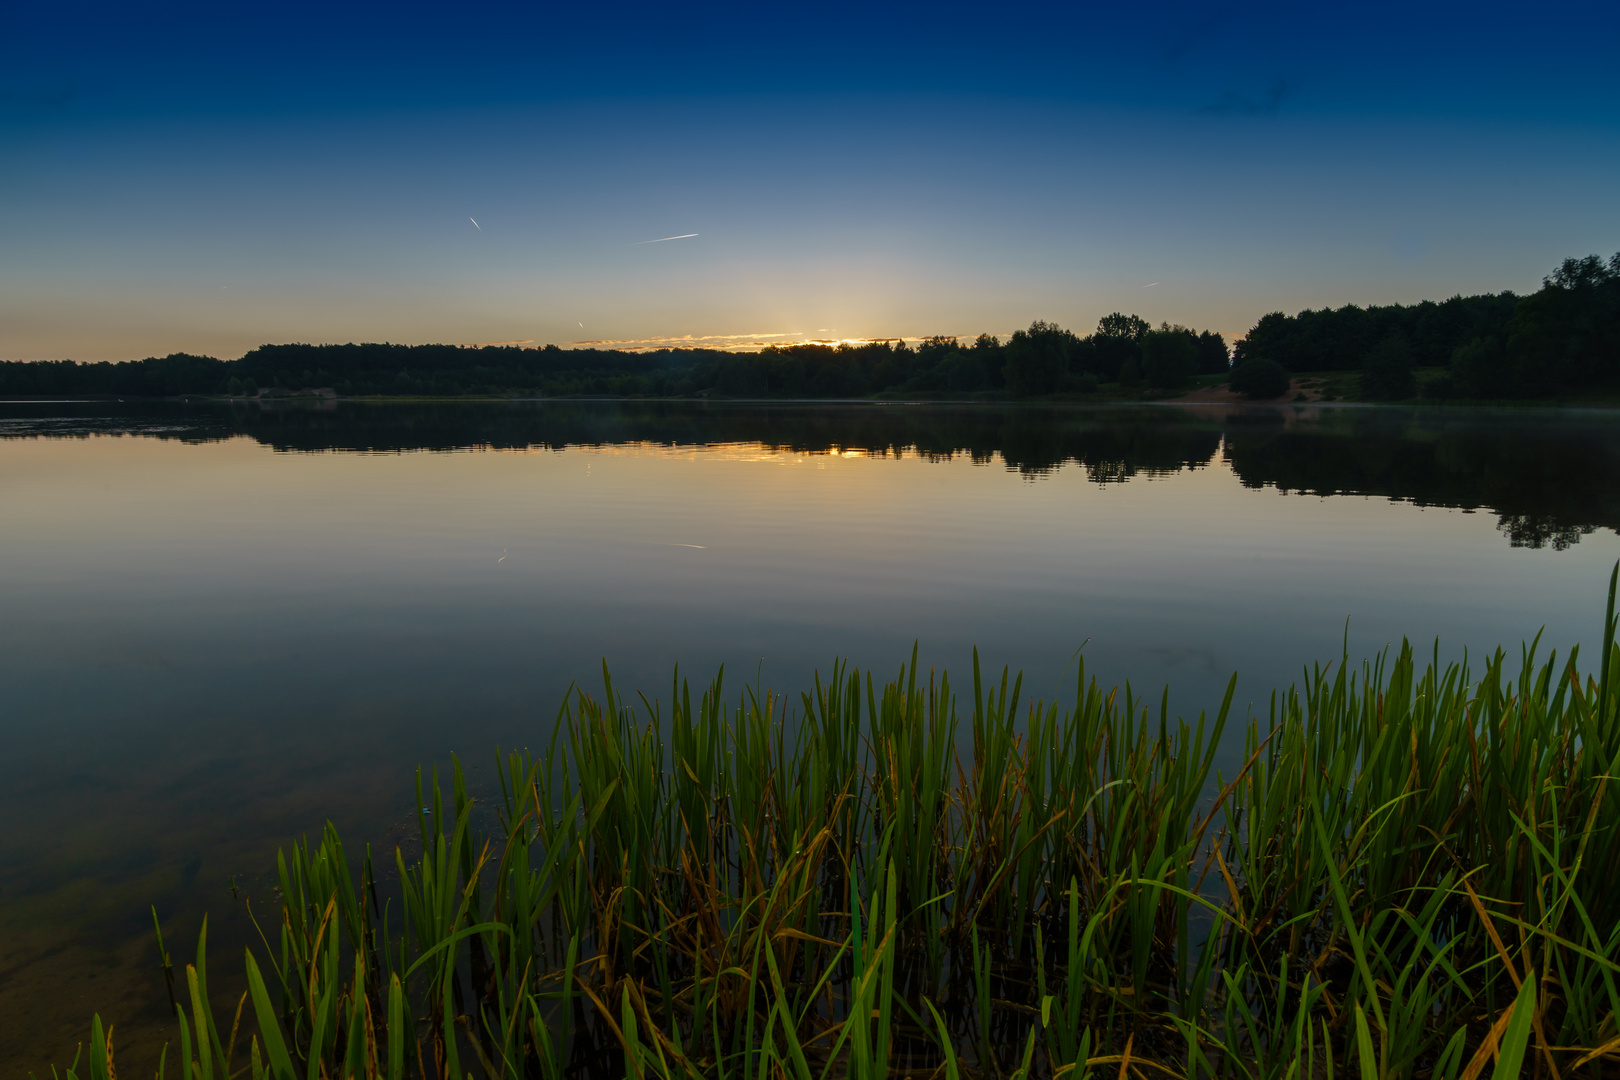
(661, 239)
(1233, 103)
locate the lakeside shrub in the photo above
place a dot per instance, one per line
(1439, 388)
(1259, 379)
(1386, 374)
(1480, 370)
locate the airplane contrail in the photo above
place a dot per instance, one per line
(1150, 285)
(477, 226)
(661, 239)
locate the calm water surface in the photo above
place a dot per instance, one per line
(220, 627)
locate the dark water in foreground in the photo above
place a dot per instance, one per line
(220, 627)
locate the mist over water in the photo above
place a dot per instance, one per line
(221, 627)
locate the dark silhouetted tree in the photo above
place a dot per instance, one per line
(1214, 358)
(1169, 356)
(1037, 359)
(1116, 343)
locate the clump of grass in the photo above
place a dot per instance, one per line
(1414, 873)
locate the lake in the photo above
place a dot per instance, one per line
(223, 625)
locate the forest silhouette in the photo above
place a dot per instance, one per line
(1561, 341)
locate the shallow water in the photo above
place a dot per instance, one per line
(222, 626)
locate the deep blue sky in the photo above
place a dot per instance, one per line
(207, 178)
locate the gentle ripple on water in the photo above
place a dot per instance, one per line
(221, 626)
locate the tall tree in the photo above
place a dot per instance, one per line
(1169, 356)
(1214, 358)
(1116, 343)
(1037, 359)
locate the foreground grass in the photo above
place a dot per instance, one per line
(1414, 873)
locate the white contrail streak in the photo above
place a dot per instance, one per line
(661, 239)
(1150, 285)
(477, 226)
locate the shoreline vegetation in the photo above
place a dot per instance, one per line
(1560, 344)
(1410, 870)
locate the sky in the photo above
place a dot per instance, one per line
(210, 177)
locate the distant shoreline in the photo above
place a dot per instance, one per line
(1304, 389)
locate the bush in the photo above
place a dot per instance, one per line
(1259, 379)
(1480, 369)
(1438, 389)
(1386, 374)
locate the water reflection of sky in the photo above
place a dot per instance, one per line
(208, 646)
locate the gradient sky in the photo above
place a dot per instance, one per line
(207, 177)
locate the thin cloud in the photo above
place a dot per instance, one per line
(1194, 35)
(661, 239)
(1233, 103)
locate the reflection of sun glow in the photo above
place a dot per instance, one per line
(753, 451)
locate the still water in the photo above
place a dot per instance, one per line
(221, 627)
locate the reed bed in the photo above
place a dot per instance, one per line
(1414, 872)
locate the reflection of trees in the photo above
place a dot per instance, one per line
(1111, 444)
(1551, 478)
(1524, 530)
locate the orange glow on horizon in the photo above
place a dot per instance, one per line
(754, 342)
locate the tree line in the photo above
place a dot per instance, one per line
(1563, 339)
(1042, 360)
